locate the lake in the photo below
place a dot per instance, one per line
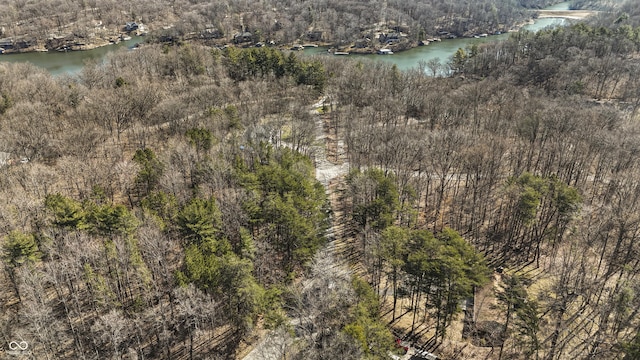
(443, 50)
(73, 61)
(69, 62)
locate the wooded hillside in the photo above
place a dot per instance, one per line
(29, 23)
(167, 203)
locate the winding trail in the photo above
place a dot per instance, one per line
(273, 346)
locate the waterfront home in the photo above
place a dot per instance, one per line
(131, 26)
(242, 37)
(6, 44)
(389, 38)
(211, 33)
(315, 35)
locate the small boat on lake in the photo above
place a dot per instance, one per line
(385, 52)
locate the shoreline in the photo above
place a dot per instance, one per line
(415, 44)
(69, 48)
(398, 47)
(409, 45)
(25, 44)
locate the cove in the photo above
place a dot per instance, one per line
(70, 62)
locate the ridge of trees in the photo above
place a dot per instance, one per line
(576, 59)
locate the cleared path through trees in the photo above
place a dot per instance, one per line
(274, 345)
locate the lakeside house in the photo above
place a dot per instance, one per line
(138, 28)
(17, 43)
(242, 37)
(131, 26)
(211, 33)
(315, 35)
(390, 38)
(6, 44)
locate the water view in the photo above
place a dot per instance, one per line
(443, 50)
(69, 62)
(73, 62)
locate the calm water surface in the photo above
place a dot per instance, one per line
(72, 62)
(68, 62)
(443, 50)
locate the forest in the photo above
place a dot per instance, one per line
(187, 202)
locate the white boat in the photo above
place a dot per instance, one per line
(385, 52)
